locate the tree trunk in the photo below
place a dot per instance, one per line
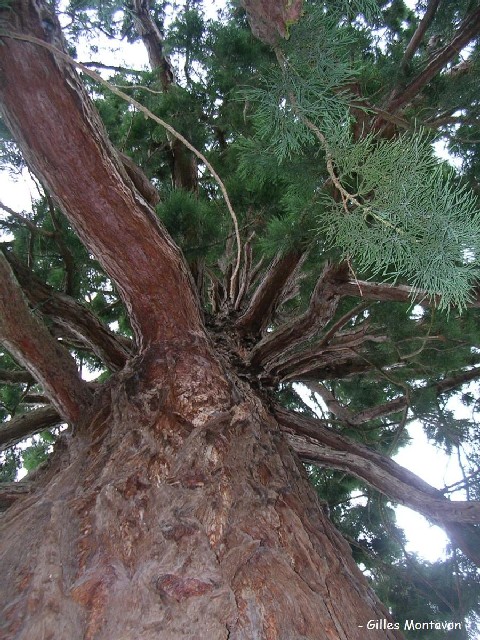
(177, 511)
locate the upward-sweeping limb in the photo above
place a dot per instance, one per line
(323, 304)
(30, 342)
(316, 443)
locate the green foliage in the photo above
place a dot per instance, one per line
(233, 57)
(194, 224)
(407, 219)
(412, 588)
(367, 9)
(413, 220)
(315, 65)
(283, 234)
(256, 165)
(187, 33)
(445, 580)
(9, 154)
(37, 453)
(11, 397)
(9, 463)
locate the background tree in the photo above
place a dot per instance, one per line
(175, 504)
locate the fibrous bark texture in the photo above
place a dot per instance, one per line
(158, 523)
(175, 507)
(32, 344)
(64, 141)
(28, 424)
(270, 19)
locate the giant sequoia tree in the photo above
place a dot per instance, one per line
(266, 212)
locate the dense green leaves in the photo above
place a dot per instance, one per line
(412, 220)
(400, 214)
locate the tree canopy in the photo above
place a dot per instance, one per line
(288, 151)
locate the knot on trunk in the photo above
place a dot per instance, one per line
(180, 589)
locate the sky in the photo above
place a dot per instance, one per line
(420, 456)
(439, 470)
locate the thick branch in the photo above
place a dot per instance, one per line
(62, 138)
(22, 220)
(467, 31)
(268, 294)
(452, 382)
(184, 165)
(323, 303)
(152, 38)
(315, 443)
(28, 424)
(393, 293)
(34, 347)
(244, 279)
(381, 410)
(11, 491)
(109, 67)
(333, 366)
(34, 398)
(341, 322)
(381, 291)
(392, 406)
(333, 405)
(140, 180)
(15, 377)
(354, 419)
(323, 445)
(417, 37)
(77, 318)
(301, 363)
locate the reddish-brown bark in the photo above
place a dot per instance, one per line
(314, 442)
(420, 31)
(269, 294)
(65, 143)
(140, 180)
(392, 406)
(176, 508)
(323, 304)
(271, 19)
(29, 341)
(157, 521)
(65, 311)
(395, 293)
(345, 347)
(152, 38)
(12, 491)
(28, 424)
